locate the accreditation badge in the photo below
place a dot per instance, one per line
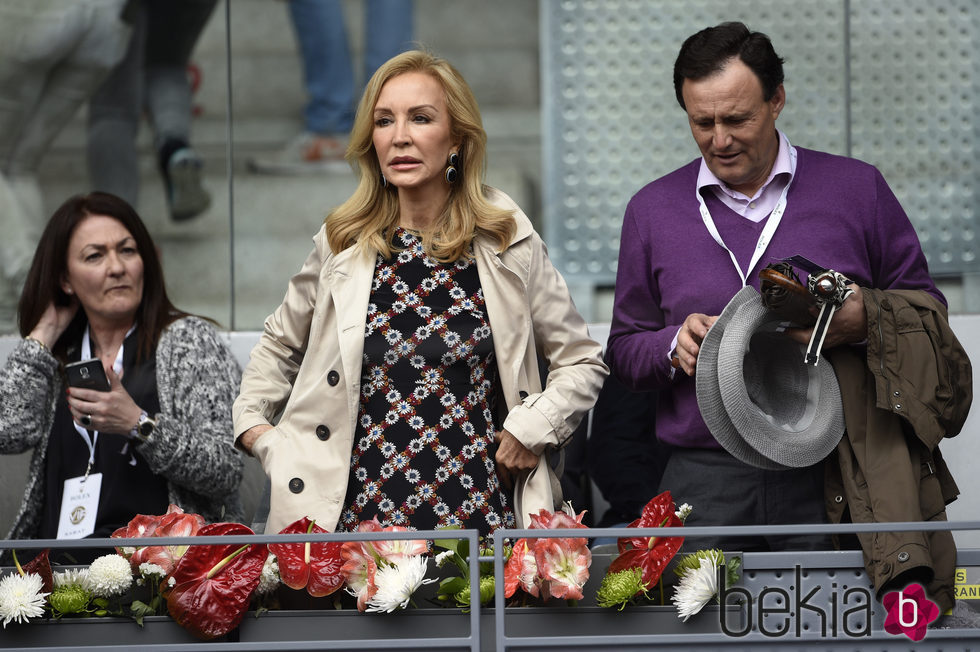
(79, 506)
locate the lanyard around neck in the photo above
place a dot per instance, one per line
(764, 238)
(117, 368)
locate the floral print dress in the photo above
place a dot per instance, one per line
(423, 451)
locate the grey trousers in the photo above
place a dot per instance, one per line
(725, 491)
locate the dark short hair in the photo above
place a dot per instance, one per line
(705, 53)
(50, 264)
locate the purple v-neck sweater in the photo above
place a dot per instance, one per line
(840, 213)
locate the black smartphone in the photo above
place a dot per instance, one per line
(87, 374)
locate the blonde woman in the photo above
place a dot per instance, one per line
(402, 364)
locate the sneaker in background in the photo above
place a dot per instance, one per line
(185, 192)
(308, 153)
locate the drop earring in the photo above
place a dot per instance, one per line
(452, 174)
(384, 181)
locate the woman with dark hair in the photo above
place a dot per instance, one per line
(404, 357)
(162, 432)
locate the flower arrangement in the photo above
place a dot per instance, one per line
(383, 575)
(208, 588)
(643, 560)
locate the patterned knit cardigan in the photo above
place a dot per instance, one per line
(192, 445)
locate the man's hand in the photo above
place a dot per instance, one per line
(848, 325)
(689, 340)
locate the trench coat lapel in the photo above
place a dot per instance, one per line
(505, 296)
(350, 288)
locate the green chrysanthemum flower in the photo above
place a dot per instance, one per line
(69, 599)
(693, 560)
(620, 587)
(486, 592)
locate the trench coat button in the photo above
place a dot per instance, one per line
(522, 394)
(322, 432)
(333, 378)
(898, 406)
(897, 393)
(838, 499)
(903, 556)
(296, 485)
(886, 304)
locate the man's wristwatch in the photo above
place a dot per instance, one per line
(143, 428)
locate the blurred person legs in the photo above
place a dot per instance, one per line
(153, 76)
(53, 54)
(328, 76)
(173, 31)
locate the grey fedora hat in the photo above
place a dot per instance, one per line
(759, 399)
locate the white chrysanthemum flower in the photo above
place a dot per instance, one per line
(695, 589)
(21, 598)
(397, 582)
(72, 577)
(147, 569)
(269, 579)
(443, 558)
(110, 575)
(684, 511)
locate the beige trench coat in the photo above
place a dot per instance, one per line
(307, 365)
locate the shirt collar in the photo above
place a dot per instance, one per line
(785, 164)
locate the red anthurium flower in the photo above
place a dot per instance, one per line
(212, 584)
(41, 566)
(651, 554)
(313, 566)
(175, 523)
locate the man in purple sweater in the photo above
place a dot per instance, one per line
(693, 238)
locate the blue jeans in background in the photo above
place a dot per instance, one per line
(328, 71)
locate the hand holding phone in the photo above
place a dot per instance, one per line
(87, 374)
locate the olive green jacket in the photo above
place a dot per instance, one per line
(913, 388)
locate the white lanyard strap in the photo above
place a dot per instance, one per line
(767, 232)
(117, 368)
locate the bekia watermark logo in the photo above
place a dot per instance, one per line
(909, 612)
(813, 609)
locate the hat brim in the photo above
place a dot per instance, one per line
(728, 404)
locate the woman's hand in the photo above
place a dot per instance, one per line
(249, 437)
(53, 322)
(512, 458)
(113, 411)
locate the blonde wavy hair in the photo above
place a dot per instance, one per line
(367, 218)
